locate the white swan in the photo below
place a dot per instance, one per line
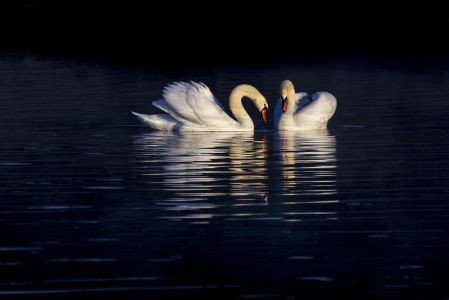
(296, 111)
(191, 106)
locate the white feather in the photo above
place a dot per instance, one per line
(314, 115)
(190, 106)
(159, 121)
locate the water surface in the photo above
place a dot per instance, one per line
(95, 204)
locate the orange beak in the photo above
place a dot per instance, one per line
(264, 113)
(284, 105)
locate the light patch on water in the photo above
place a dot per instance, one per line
(317, 278)
(248, 214)
(201, 194)
(311, 202)
(98, 187)
(397, 286)
(411, 267)
(18, 249)
(103, 240)
(115, 289)
(377, 236)
(302, 257)
(88, 221)
(265, 218)
(253, 204)
(192, 216)
(68, 280)
(58, 207)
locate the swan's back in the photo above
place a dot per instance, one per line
(316, 114)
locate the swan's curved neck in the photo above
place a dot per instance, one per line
(236, 106)
(291, 101)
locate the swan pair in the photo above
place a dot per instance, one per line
(191, 106)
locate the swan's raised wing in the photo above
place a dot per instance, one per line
(192, 103)
(302, 99)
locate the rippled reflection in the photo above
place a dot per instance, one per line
(191, 162)
(197, 167)
(307, 158)
(226, 175)
(248, 166)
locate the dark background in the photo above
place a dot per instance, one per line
(173, 33)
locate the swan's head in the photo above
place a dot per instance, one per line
(287, 89)
(264, 113)
(262, 105)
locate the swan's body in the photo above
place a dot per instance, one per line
(192, 107)
(295, 111)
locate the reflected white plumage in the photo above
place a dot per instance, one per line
(190, 106)
(294, 111)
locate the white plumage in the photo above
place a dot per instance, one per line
(301, 115)
(191, 106)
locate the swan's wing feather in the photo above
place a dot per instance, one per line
(301, 101)
(206, 107)
(320, 110)
(175, 96)
(158, 121)
(163, 105)
(193, 102)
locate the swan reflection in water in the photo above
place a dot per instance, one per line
(201, 176)
(199, 167)
(308, 162)
(248, 165)
(308, 186)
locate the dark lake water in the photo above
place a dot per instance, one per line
(94, 204)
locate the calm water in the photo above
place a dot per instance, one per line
(94, 204)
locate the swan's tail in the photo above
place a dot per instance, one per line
(162, 122)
